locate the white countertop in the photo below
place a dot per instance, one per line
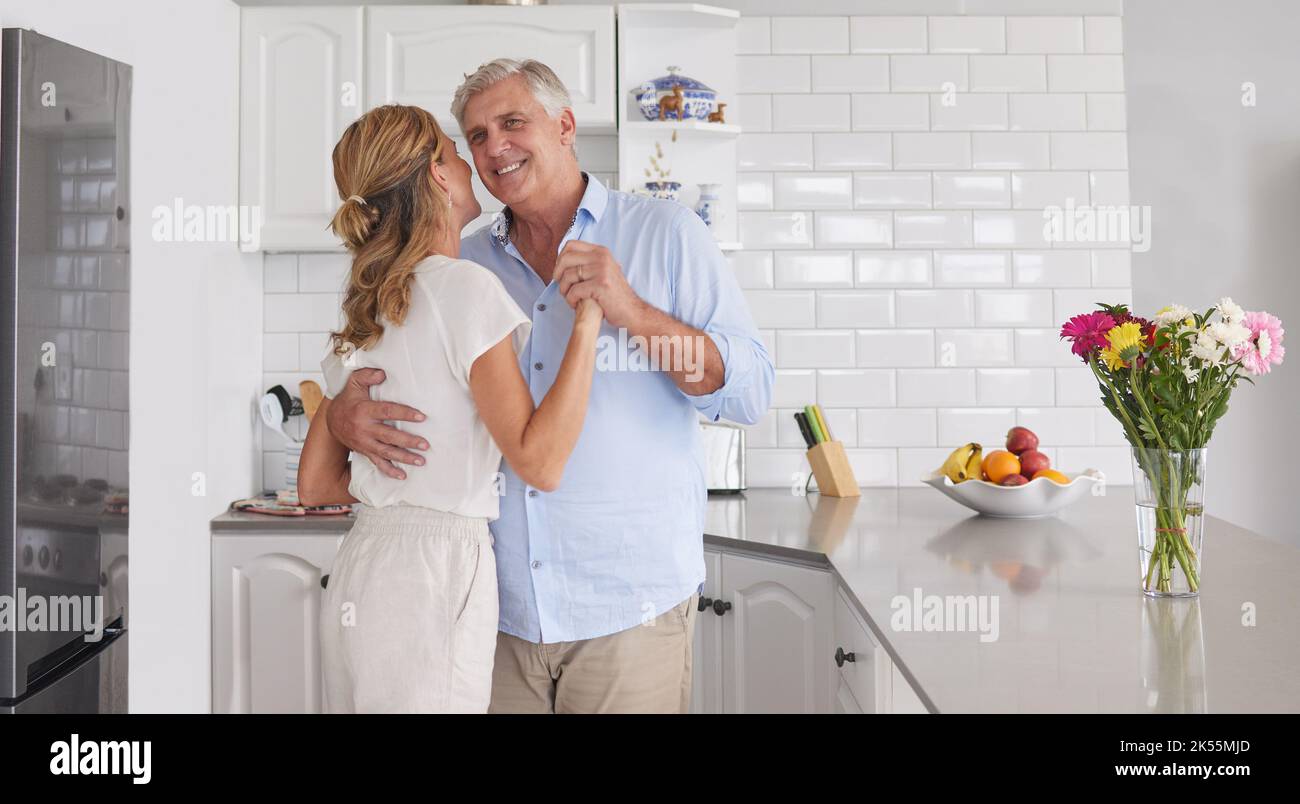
(1075, 634)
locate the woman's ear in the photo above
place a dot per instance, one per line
(440, 177)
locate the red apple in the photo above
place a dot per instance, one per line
(1032, 462)
(1014, 480)
(1021, 439)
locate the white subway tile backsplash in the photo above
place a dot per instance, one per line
(1103, 34)
(774, 73)
(754, 35)
(932, 151)
(1076, 386)
(850, 73)
(935, 308)
(814, 269)
(763, 434)
(986, 426)
(856, 388)
(932, 229)
(814, 190)
(1043, 347)
(283, 312)
(1044, 35)
(973, 347)
(760, 230)
(1010, 230)
(1109, 188)
(753, 269)
(891, 190)
(885, 112)
(754, 191)
(1014, 386)
(756, 113)
(1106, 112)
(784, 468)
(928, 73)
(893, 268)
(887, 34)
(896, 427)
(1047, 112)
(1009, 151)
(1090, 151)
(813, 348)
(854, 230)
(280, 351)
(865, 151)
(917, 462)
(793, 389)
(1008, 74)
(1037, 190)
(1085, 73)
(972, 190)
(810, 35)
(280, 273)
(782, 308)
(895, 348)
(810, 112)
(1059, 426)
(323, 273)
(775, 152)
(1107, 429)
(1074, 301)
(937, 387)
(967, 34)
(855, 308)
(1115, 463)
(969, 112)
(1051, 268)
(1013, 308)
(972, 268)
(874, 467)
(1111, 268)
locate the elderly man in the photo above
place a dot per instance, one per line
(598, 579)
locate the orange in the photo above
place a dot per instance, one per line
(1052, 475)
(999, 463)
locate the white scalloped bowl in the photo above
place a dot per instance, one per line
(1037, 498)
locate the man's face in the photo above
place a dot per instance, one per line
(518, 149)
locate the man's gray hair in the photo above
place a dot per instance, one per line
(545, 85)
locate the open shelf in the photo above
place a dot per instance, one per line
(715, 129)
(677, 15)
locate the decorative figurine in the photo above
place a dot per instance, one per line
(674, 103)
(716, 116)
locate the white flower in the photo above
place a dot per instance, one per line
(1171, 314)
(1208, 349)
(1190, 373)
(1229, 334)
(1230, 311)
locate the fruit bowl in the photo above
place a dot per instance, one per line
(1037, 498)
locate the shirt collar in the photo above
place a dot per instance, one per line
(594, 200)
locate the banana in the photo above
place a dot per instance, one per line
(963, 463)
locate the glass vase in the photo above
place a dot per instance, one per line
(1169, 489)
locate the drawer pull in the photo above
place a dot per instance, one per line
(324, 581)
(721, 607)
(705, 602)
(841, 657)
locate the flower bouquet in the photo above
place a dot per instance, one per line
(1167, 382)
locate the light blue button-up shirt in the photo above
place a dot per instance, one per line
(621, 540)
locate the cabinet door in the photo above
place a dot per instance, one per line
(265, 622)
(420, 55)
(300, 87)
(868, 674)
(776, 637)
(706, 653)
(845, 703)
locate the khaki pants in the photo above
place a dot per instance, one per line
(645, 669)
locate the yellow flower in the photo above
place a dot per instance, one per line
(1125, 340)
(1111, 358)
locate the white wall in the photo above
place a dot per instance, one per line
(195, 320)
(1223, 183)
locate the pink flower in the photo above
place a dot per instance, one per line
(1263, 349)
(1087, 332)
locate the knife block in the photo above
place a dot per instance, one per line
(831, 468)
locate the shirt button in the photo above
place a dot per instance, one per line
(537, 366)
(541, 308)
(532, 492)
(536, 564)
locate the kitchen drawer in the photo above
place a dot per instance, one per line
(870, 662)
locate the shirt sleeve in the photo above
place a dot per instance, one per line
(336, 371)
(477, 313)
(707, 296)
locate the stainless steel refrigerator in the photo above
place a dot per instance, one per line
(64, 335)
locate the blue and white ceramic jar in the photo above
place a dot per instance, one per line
(663, 190)
(697, 100)
(707, 205)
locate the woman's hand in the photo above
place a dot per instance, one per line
(588, 313)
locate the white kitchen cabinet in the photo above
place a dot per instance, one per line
(845, 703)
(706, 652)
(865, 672)
(420, 54)
(266, 592)
(903, 700)
(300, 86)
(776, 637)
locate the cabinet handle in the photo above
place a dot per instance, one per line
(841, 657)
(705, 602)
(324, 581)
(721, 607)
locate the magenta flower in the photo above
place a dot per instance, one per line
(1263, 349)
(1087, 332)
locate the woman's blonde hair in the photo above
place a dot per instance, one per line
(392, 217)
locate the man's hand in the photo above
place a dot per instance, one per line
(588, 271)
(358, 423)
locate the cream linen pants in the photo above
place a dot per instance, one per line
(409, 616)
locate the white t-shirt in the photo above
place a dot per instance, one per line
(458, 311)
